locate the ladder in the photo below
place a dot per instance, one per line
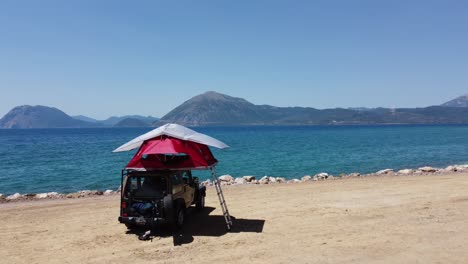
(222, 201)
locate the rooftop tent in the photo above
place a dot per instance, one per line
(172, 146)
(171, 153)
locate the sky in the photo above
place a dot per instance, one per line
(103, 58)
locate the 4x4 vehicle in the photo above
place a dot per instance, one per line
(159, 197)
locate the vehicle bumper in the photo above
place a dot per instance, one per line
(141, 221)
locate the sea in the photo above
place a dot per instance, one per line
(69, 160)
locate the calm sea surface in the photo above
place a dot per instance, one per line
(67, 160)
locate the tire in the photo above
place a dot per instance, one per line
(180, 217)
(201, 203)
(129, 226)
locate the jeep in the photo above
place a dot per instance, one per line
(150, 198)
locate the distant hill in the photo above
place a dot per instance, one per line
(85, 118)
(461, 101)
(39, 116)
(212, 108)
(113, 120)
(132, 122)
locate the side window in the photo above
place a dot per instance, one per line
(176, 179)
(187, 177)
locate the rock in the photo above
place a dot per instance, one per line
(331, 177)
(254, 182)
(240, 181)
(98, 193)
(249, 178)
(272, 179)
(320, 176)
(280, 180)
(405, 171)
(306, 178)
(226, 178)
(264, 180)
(206, 183)
(353, 175)
(54, 195)
(15, 196)
(48, 195)
(386, 171)
(41, 195)
(293, 181)
(2, 197)
(108, 192)
(451, 168)
(427, 169)
(72, 195)
(84, 193)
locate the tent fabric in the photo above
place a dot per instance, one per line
(169, 153)
(175, 131)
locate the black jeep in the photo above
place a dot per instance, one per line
(157, 197)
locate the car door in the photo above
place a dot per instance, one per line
(189, 190)
(177, 186)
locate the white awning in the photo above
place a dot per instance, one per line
(172, 130)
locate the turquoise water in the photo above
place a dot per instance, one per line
(67, 160)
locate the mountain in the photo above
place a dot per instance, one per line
(113, 120)
(212, 108)
(215, 108)
(461, 101)
(132, 122)
(39, 116)
(85, 118)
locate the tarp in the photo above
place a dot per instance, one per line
(175, 131)
(171, 153)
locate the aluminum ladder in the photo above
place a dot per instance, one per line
(222, 201)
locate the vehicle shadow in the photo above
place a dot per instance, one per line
(201, 223)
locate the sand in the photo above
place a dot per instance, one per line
(387, 219)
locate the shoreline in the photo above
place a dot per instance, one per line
(228, 180)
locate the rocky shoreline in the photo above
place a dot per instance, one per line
(227, 180)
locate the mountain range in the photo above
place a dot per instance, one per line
(115, 120)
(27, 116)
(212, 108)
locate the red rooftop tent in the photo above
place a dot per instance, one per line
(171, 153)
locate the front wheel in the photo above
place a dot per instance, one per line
(201, 203)
(180, 218)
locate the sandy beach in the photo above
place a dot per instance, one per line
(385, 219)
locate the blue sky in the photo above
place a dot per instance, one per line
(102, 58)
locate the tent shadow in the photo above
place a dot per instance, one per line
(201, 223)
